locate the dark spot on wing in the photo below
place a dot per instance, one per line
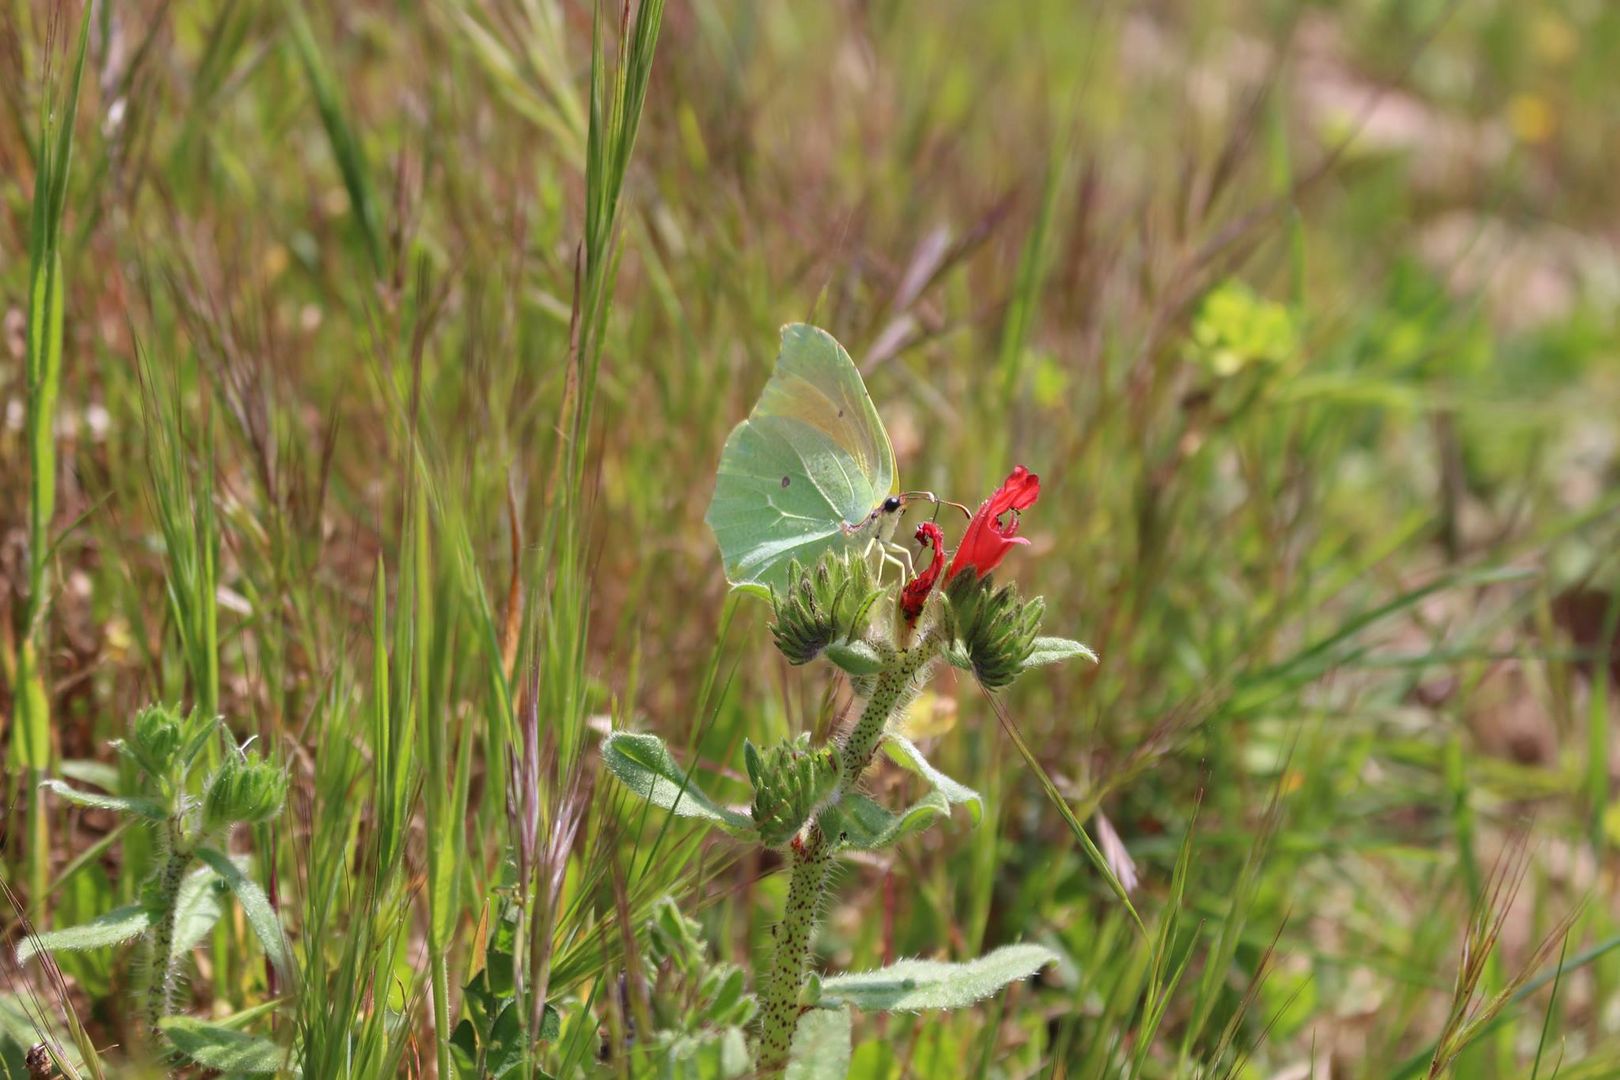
(786, 480)
(840, 414)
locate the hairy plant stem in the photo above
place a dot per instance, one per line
(890, 690)
(812, 858)
(779, 996)
(162, 965)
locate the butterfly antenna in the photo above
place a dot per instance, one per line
(910, 496)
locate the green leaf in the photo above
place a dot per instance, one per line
(855, 657)
(507, 1049)
(821, 1046)
(464, 1050)
(197, 908)
(905, 752)
(858, 822)
(1055, 650)
(644, 765)
(113, 928)
(140, 806)
(255, 905)
(222, 1048)
(96, 773)
(933, 984)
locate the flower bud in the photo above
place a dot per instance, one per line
(822, 605)
(995, 629)
(246, 789)
(154, 740)
(791, 782)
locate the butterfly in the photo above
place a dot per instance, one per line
(811, 470)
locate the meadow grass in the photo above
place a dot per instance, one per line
(363, 377)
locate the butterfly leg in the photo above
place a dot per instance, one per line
(899, 555)
(889, 554)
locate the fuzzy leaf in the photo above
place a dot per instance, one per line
(860, 823)
(1054, 650)
(821, 1046)
(150, 809)
(855, 657)
(933, 984)
(113, 928)
(224, 1049)
(905, 752)
(255, 905)
(644, 765)
(197, 908)
(95, 773)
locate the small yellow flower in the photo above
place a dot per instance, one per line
(1553, 40)
(1531, 119)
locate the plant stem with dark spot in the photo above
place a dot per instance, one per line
(812, 858)
(779, 996)
(890, 691)
(162, 965)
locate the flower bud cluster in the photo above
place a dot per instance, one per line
(791, 782)
(154, 741)
(993, 626)
(245, 790)
(826, 604)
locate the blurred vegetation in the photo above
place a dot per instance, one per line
(399, 343)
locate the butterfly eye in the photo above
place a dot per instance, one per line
(891, 504)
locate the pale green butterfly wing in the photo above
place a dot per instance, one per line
(810, 461)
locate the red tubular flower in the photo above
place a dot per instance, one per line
(988, 538)
(915, 594)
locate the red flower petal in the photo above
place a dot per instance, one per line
(915, 594)
(988, 537)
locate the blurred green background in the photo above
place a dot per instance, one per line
(1305, 313)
